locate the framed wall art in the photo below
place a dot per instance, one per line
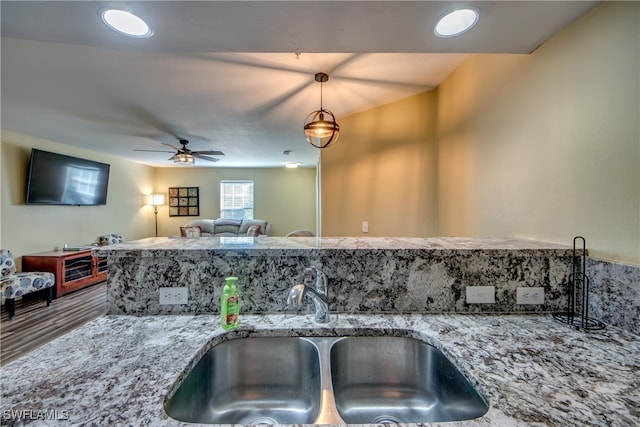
(184, 201)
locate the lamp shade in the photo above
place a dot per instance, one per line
(155, 199)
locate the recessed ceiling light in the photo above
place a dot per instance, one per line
(456, 22)
(292, 165)
(126, 23)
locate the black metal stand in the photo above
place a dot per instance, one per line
(577, 314)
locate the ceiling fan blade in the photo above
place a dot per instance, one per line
(215, 153)
(172, 146)
(199, 156)
(184, 150)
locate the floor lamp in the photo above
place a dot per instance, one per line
(155, 200)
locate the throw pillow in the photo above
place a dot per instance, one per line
(190, 232)
(253, 230)
(110, 239)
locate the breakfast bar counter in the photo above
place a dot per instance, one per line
(384, 275)
(118, 370)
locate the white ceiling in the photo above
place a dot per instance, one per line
(223, 74)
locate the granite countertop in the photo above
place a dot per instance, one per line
(264, 244)
(117, 370)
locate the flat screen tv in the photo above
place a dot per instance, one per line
(56, 179)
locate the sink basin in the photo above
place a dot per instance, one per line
(251, 381)
(324, 380)
(399, 380)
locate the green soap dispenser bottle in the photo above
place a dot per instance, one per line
(229, 304)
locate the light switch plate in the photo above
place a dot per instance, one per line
(481, 294)
(174, 296)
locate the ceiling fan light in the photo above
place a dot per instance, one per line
(184, 159)
(126, 23)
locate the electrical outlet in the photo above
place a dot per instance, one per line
(365, 226)
(481, 294)
(174, 296)
(530, 295)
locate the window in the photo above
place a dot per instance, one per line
(236, 199)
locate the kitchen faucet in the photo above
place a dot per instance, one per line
(319, 294)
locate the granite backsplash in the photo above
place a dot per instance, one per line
(391, 276)
(615, 293)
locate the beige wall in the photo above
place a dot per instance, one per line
(543, 146)
(34, 228)
(285, 197)
(382, 170)
(547, 145)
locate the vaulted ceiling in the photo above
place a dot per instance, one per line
(236, 76)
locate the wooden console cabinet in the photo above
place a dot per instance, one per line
(73, 269)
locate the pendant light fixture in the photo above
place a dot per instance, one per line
(320, 127)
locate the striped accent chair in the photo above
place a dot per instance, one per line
(14, 285)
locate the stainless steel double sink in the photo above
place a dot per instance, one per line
(324, 380)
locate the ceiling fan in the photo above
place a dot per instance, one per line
(184, 155)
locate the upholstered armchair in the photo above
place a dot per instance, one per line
(14, 285)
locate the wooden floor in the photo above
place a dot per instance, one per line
(36, 324)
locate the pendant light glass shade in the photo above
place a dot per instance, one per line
(320, 127)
